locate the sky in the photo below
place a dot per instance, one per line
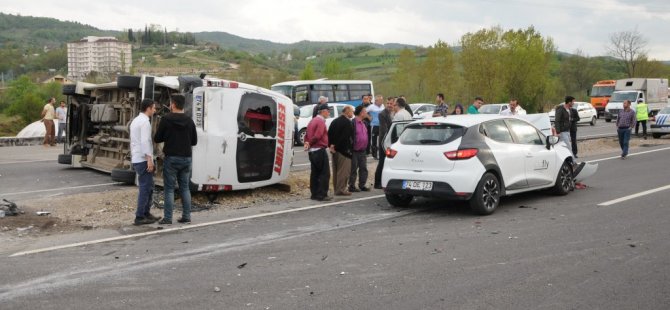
(584, 25)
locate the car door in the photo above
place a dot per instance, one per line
(506, 152)
(539, 163)
(584, 113)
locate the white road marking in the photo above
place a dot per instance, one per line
(25, 162)
(61, 189)
(186, 227)
(629, 155)
(629, 197)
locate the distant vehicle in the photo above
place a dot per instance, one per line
(306, 113)
(654, 92)
(600, 94)
(245, 132)
(661, 124)
(478, 158)
(587, 113)
(493, 108)
(422, 110)
(306, 92)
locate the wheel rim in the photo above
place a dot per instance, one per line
(490, 194)
(302, 137)
(565, 178)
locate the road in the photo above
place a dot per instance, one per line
(596, 248)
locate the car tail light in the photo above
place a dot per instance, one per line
(461, 154)
(216, 188)
(223, 83)
(390, 153)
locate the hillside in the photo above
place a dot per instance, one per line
(38, 32)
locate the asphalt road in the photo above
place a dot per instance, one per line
(538, 251)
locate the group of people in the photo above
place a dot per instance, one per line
(177, 132)
(49, 114)
(349, 140)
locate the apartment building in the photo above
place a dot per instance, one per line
(100, 54)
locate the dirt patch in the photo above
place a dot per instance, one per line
(609, 145)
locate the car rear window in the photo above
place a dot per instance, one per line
(430, 133)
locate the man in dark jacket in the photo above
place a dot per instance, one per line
(562, 121)
(341, 137)
(177, 131)
(385, 120)
(574, 118)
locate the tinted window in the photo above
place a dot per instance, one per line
(301, 95)
(496, 130)
(341, 93)
(356, 91)
(421, 134)
(524, 132)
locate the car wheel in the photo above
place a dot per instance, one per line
(301, 136)
(399, 200)
(656, 135)
(564, 180)
(123, 175)
(65, 159)
(128, 81)
(487, 195)
(593, 121)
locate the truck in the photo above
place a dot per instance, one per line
(600, 94)
(653, 91)
(245, 132)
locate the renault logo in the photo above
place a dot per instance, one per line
(417, 153)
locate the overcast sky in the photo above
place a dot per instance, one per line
(572, 24)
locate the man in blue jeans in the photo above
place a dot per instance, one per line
(625, 122)
(177, 131)
(142, 158)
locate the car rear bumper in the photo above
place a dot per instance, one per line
(439, 190)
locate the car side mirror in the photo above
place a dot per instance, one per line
(551, 140)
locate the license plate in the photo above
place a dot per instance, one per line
(417, 185)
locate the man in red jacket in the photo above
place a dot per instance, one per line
(316, 143)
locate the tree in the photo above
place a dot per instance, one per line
(331, 69)
(438, 73)
(629, 48)
(577, 73)
(24, 99)
(480, 58)
(404, 76)
(308, 72)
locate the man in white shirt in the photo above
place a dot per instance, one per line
(61, 113)
(401, 113)
(514, 109)
(142, 158)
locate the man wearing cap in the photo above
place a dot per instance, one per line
(316, 142)
(642, 113)
(474, 107)
(358, 159)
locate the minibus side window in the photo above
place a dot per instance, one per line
(257, 115)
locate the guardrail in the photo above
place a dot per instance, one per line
(15, 141)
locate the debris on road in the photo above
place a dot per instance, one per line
(42, 213)
(217, 289)
(9, 208)
(241, 266)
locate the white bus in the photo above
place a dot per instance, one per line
(307, 92)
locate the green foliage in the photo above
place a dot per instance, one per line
(308, 72)
(24, 100)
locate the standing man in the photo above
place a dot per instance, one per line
(474, 107)
(61, 112)
(642, 113)
(177, 131)
(341, 137)
(142, 158)
(574, 119)
(373, 111)
(562, 121)
(625, 122)
(401, 113)
(359, 158)
(48, 116)
(316, 142)
(514, 108)
(385, 119)
(441, 108)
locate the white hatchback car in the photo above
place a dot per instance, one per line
(587, 113)
(479, 158)
(422, 110)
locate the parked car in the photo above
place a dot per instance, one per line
(493, 108)
(587, 113)
(661, 125)
(422, 110)
(306, 113)
(476, 158)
